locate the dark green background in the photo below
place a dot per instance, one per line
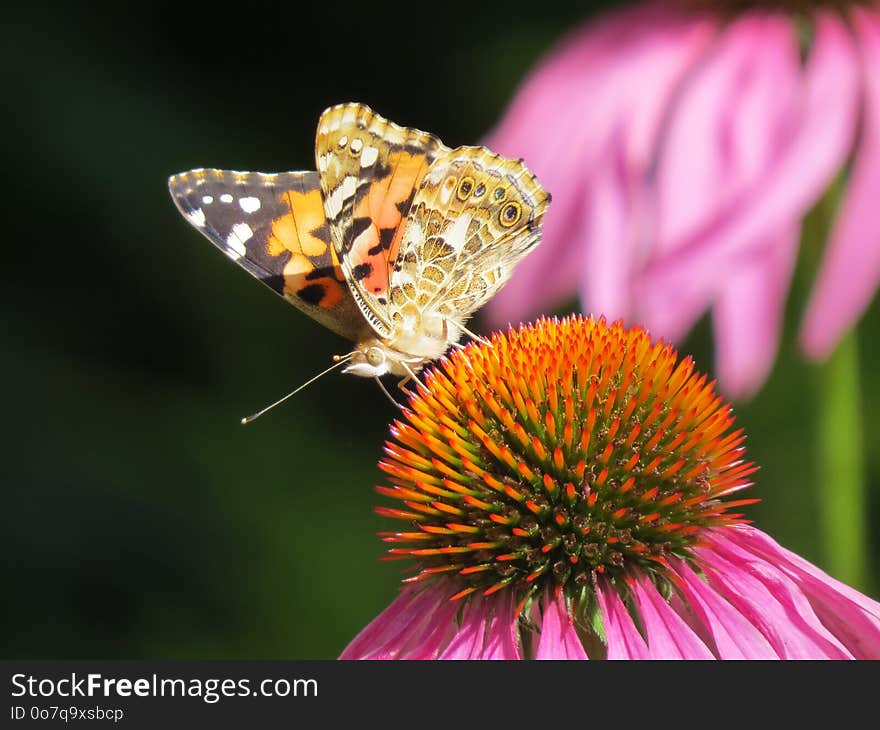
(140, 518)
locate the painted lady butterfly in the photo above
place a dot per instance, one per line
(393, 243)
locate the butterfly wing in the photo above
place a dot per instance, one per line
(273, 226)
(475, 216)
(370, 169)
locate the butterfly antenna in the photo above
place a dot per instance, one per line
(338, 360)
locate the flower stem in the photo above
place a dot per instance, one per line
(843, 532)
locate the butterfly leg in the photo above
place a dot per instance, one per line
(470, 334)
(454, 343)
(410, 375)
(387, 394)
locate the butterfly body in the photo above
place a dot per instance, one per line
(393, 242)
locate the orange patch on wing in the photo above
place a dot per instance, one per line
(298, 265)
(324, 291)
(293, 231)
(376, 281)
(380, 205)
(283, 236)
(333, 292)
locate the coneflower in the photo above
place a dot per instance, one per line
(571, 492)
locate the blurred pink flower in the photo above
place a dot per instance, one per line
(682, 150)
(754, 600)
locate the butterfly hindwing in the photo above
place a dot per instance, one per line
(475, 216)
(370, 169)
(273, 225)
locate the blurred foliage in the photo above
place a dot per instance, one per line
(141, 519)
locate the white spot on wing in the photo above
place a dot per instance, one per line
(413, 237)
(456, 234)
(197, 217)
(207, 199)
(345, 190)
(249, 204)
(356, 145)
(226, 198)
(241, 233)
(369, 156)
(446, 191)
(343, 140)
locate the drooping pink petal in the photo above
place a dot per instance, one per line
(734, 113)
(850, 272)
(691, 617)
(607, 216)
(851, 616)
(622, 638)
(770, 601)
(417, 625)
(558, 639)
(612, 78)
(426, 639)
(824, 120)
(385, 634)
(502, 636)
(668, 635)
(748, 314)
(469, 638)
(734, 637)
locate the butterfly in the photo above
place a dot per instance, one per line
(393, 242)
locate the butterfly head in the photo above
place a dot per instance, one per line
(369, 360)
(374, 357)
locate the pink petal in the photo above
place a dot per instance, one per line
(607, 219)
(384, 635)
(850, 271)
(622, 638)
(417, 625)
(468, 640)
(820, 133)
(558, 640)
(735, 112)
(502, 635)
(851, 616)
(763, 545)
(769, 600)
(426, 640)
(733, 636)
(611, 78)
(748, 314)
(669, 636)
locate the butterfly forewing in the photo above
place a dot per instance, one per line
(273, 225)
(370, 169)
